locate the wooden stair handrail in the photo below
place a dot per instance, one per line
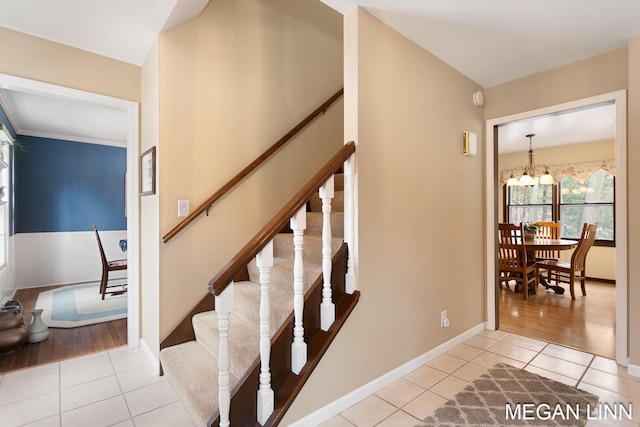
(247, 170)
(275, 225)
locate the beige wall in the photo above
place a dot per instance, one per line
(633, 176)
(232, 82)
(612, 71)
(601, 261)
(149, 207)
(420, 207)
(44, 61)
(592, 76)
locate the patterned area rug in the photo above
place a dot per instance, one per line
(80, 305)
(510, 396)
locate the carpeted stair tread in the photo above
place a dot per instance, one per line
(337, 203)
(244, 338)
(282, 274)
(315, 221)
(246, 303)
(193, 373)
(311, 247)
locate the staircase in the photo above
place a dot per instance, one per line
(193, 367)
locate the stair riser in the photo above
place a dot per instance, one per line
(312, 247)
(337, 203)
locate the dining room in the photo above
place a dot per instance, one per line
(561, 168)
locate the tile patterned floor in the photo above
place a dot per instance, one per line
(111, 388)
(412, 398)
(118, 387)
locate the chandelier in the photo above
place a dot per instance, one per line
(528, 176)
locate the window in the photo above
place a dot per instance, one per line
(530, 203)
(570, 202)
(590, 202)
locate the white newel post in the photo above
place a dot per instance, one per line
(350, 225)
(264, 261)
(327, 308)
(298, 347)
(224, 305)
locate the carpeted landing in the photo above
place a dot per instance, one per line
(507, 396)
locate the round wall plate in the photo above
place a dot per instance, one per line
(478, 98)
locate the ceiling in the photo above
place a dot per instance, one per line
(489, 41)
(123, 30)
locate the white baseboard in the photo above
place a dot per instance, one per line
(347, 401)
(633, 370)
(155, 363)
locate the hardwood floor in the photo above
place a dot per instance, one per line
(587, 324)
(63, 343)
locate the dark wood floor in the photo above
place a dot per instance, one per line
(586, 324)
(63, 343)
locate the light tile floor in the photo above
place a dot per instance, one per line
(119, 388)
(412, 398)
(111, 388)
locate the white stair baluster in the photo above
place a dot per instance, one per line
(264, 260)
(350, 226)
(224, 305)
(327, 308)
(298, 347)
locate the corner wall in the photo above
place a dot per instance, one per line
(232, 82)
(149, 209)
(420, 210)
(633, 200)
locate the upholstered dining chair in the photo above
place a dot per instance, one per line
(575, 270)
(512, 259)
(548, 230)
(107, 266)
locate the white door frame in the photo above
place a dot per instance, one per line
(132, 185)
(620, 100)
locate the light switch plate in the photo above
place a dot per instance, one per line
(183, 208)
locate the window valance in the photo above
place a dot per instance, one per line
(578, 171)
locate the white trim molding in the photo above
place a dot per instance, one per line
(620, 100)
(347, 401)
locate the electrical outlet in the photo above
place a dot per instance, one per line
(443, 318)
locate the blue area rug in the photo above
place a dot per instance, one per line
(80, 305)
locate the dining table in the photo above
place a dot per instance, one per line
(544, 244)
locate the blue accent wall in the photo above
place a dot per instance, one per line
(67, 186)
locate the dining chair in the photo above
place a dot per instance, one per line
(575, 270)
(548, 230)
(107, 266)
(512, 259)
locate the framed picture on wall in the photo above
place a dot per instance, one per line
(148, 172)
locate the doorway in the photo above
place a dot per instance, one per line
(130, 112)
(491, 186)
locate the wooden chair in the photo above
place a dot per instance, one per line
(569, 272)
(548, 230)
(512, 259)
(107, 266)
